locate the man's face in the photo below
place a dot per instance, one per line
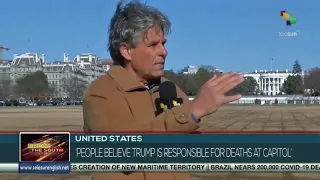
(148, 58)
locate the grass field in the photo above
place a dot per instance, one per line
(233, 118)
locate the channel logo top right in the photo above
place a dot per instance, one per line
(289, 20)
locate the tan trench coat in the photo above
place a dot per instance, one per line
(117, 102)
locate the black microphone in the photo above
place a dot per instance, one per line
(168, 97)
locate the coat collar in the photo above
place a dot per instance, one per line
(128, 82)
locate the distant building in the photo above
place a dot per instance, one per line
(270, 82)
(85, 66)
(219, 71)
(191, 70)
(106, 63)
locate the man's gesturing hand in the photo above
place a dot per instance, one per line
(212, 94)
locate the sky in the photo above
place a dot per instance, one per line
(232, 35)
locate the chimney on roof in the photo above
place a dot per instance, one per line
(65, 57)
(286, 70)
(90, 57)
(256, 71)
(43, 58)
(265, 71)
(82, 63)
(277, 70)
(37, 57)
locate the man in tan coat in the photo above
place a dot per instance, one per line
(123, 100)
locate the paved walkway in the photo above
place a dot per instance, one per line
(245, 118)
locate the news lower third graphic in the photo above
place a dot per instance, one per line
(44, 147)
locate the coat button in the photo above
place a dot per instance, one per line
(183, 118)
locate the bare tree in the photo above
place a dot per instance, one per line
(311, 80)
(210, 68)
(5, 89)
(74, 86)
(53, 89)
(191, 83)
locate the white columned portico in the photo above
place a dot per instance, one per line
(269, 83)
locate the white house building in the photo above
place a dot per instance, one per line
(269, 82)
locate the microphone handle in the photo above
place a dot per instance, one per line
(170, 104)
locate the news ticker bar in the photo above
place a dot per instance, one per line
(66, 168)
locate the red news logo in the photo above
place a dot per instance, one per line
(43, 147)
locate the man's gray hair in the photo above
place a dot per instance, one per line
(129, 22)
